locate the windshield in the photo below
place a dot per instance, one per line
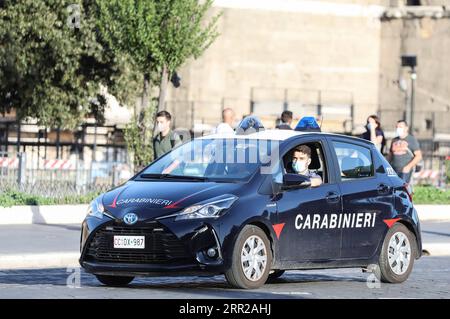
(212, 159)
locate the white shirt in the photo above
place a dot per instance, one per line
(223, 128)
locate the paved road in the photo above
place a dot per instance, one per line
(429, 279)
(35, 239)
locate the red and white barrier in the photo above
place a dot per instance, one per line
(8, 162)
(59, 164)
(427, 174)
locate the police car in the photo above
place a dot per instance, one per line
(252, 205)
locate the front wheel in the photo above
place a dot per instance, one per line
(397, 255)
(114, 281)
(252, 259)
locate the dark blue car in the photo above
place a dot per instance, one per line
(250, 206)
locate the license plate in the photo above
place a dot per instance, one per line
(133, 242)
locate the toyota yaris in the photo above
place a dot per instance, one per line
(251, 205)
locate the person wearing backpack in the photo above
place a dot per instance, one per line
(166, 139)
(405, 153)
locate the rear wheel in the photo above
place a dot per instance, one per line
(397, 255)
(114, 281)
(252, 258)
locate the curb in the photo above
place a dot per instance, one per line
(437, 249)
(433, 212)
(39, 261)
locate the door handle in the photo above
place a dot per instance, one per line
(332, 197)
(383, 189)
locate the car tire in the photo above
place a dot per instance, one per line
(250, 266)
(399, 248)
(114, 281)
(276, 274)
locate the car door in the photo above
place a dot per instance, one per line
(366, 198)
(299, 209)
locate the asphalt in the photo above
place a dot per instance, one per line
(429, 279)
(40, 261)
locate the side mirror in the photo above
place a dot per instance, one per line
(295, 181)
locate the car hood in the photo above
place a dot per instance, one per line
(152, 199)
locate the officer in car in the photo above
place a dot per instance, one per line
(301, 159)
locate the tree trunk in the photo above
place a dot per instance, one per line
(145, 93)
(163, 88)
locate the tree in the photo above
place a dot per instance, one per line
(51, 62)
(182, 34)
(159, 36)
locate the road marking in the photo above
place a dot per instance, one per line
(291, 293)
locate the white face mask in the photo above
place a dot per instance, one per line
(299, 166)
(400, 131)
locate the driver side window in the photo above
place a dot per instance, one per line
(317, 164)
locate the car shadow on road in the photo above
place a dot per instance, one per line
(203, 287)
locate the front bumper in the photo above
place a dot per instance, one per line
(170, 248)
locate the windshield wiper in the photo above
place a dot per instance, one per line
(168, 176)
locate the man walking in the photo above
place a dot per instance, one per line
(286, 120)
(405, 152)
(166, 139)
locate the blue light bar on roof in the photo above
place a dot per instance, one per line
(308, 124)
(250, 124)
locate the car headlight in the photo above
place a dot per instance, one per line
(211, 208)
(96, 208)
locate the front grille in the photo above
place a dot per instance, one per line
(161, 246)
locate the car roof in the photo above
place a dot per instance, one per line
(278, 135)
(274, 135)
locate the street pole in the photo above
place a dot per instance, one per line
(413, 97)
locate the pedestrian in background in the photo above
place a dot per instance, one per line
(374, 132)
(166, 139)
(226, 126)
(286, 121)
(405, 152)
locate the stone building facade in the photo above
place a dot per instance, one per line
(338, 58)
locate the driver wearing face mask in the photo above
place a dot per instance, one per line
(301, 159)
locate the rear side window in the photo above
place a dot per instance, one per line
(354, 161)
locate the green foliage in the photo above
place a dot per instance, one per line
(431, 195)
(447, 170)
(13, 197)
(51, 61)
(158, 36)
(155, 33)
(183, 34)
(139, 138)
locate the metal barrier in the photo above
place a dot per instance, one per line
(59, 178)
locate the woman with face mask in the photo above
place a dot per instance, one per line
(374, 133)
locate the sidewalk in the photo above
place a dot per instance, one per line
(57, 246)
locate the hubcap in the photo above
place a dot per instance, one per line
(399, 253)
(254, 258)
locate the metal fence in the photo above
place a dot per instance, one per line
(436, 163)
(57, 181)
